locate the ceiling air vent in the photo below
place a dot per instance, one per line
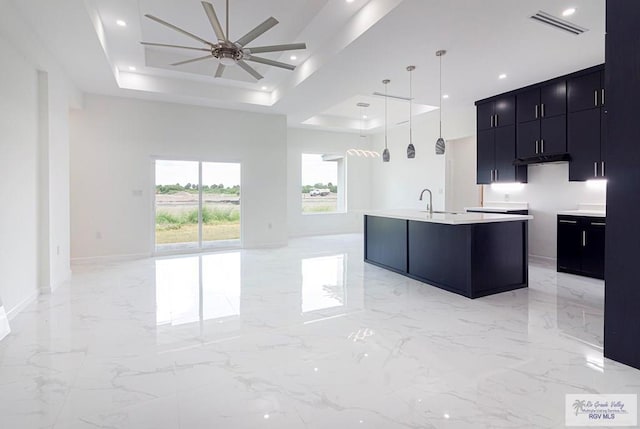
(558, 23)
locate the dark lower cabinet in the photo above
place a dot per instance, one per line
(581, 245)
(386, 242)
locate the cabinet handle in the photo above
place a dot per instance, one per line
(496, 122)
(497, 174)
(602, 96)
(584, 238)
(595, 98)
(595, 169)
(602, 168)
(491, 172)
(542, 110)
(491, 121)
(598, 223)
(567, 221)
(542, 146)
(536, 111)
(537, 146)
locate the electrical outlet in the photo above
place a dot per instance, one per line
(98, 235)
(507, 197)
(269, 225)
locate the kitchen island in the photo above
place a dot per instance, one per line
(472, 254)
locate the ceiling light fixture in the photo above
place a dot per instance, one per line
(445, 96)
(121, 23)
(132, 68)
(264, 88)
(411, 149)
(502, 76)
(293, 57)
(349, 1)
(440, 143)
(386, 156)
(569, 12)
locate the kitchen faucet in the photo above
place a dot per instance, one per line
(430, 206)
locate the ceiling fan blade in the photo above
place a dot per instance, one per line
(246, 67)
(257, 32)
(270, 62)
(178, 29)
(277, 48)
(213, 19)
(193, 60)
(219, 70)
(163, 45)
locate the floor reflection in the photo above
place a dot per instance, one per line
(323, 283)
(198, 288)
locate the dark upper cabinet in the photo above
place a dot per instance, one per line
(495, 154)
(505, 111)
(544, 102)
(585, 92)
(583, 142)
(542, 137)
(485, 115)
(581, 244)
(500, 112)
(505, 151)
(486, 156)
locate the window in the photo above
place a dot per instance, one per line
(323, 184)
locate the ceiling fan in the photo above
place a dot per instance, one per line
(227, 52)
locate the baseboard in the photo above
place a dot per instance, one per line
(110, 258)
(13, 312)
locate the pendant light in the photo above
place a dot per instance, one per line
(440, 143)
(411, 150)
(386, 156)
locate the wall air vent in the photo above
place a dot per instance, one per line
(558, 23)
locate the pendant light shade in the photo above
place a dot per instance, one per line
(386, 156)
(411, 150)
(440, 143)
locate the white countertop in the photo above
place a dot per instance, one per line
(492, 209)
(588, 213)
(447, 218)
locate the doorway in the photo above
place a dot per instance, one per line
(197, 205)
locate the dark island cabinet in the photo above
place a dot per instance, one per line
(581, 245)
(386, 242)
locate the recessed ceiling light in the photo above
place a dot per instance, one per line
(121, 23)
(132, 68)
(349, 1)
(445, 96)
(293, 57)
(264, 88)
(364, 116)
(569, 12)
(502, 76)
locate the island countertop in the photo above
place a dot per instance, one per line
(447, 218)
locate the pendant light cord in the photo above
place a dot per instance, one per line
(227, 19)
(385, 115)
(411, 106)
(440, 96)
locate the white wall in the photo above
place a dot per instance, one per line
(34, 226)
(547, 192)
(461, 188)
(398, 183)
(357, 180)
(113, 142)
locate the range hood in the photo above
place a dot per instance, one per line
(540, 159)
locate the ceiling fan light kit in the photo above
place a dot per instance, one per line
(230, 53)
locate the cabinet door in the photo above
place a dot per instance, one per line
(528, 103)
(505, 111)
(553, 99)
(569, 245)
(528, 141)
(505, 146)
(484, 114)
(603, 141)
(486, 155)
(584, 92)
(553, 135)
(583, 142)
(593, 252)
(386, 242)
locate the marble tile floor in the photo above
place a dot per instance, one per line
(307, 336)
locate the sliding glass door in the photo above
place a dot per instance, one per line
(197, 205)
